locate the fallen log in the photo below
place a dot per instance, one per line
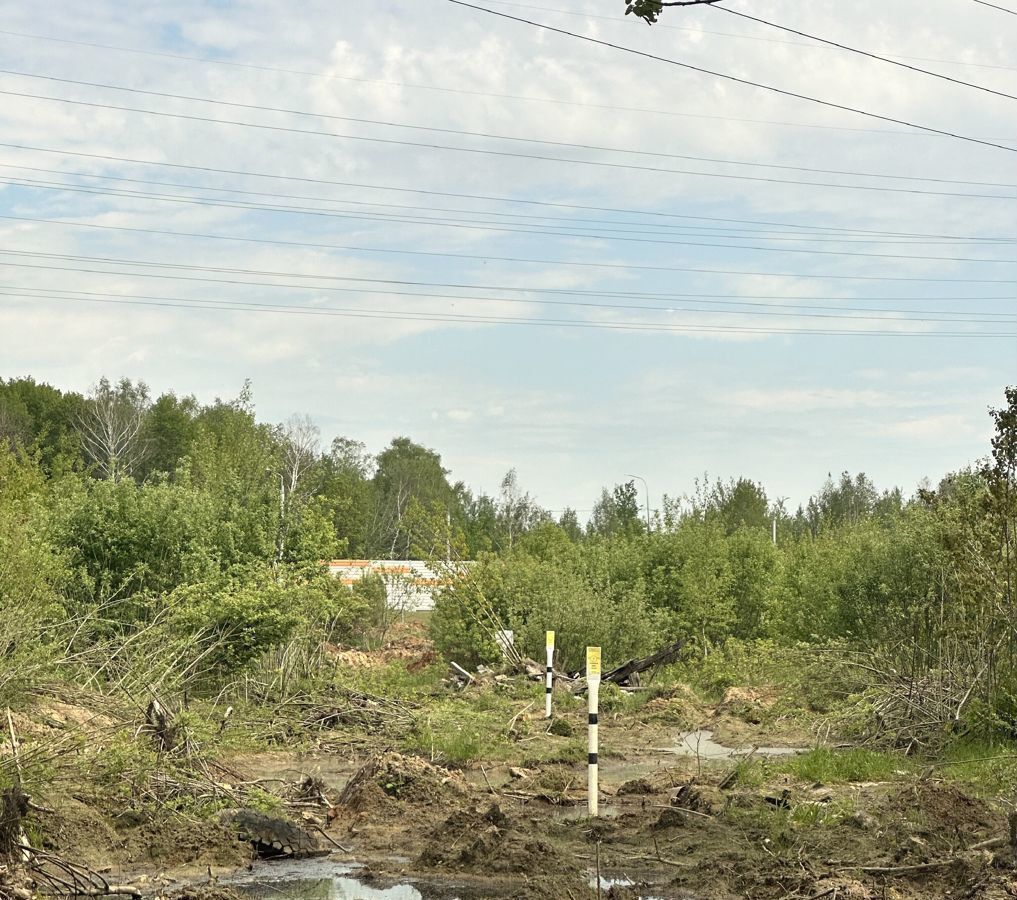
(623, 673)
(629, 671)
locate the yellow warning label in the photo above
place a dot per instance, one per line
(550, 640)
(593, 662)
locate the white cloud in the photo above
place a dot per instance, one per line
(572, 406)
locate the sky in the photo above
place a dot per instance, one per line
(520, 248)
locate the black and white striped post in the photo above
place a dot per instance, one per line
(549, 682)
(593, 694)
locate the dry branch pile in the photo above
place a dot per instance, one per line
(343, 706)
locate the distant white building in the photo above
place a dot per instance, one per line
(409, 583)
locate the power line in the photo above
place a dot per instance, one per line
(531, 219)
(506, 153)
(502, 96)
(766, 87)
(796, 312)
(866, 53)
(488, 198)
(480, 226)
(797, 275)
(465, 319)
(1000, 8)
(710, 299)
(783, 311)
(728, 34)
(498, 137)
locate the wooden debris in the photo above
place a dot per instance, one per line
(459, 673)
(624, 673)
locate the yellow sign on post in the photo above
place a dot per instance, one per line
(592, 694)
(550, 640)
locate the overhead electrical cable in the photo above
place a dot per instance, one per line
(458, 132)
(865, 53)
(484, 197)
(467, 319)
(150, 264)
(481, 227)
(1013, 12)
(756, 308)
(500, 228)
(483, 151)
(727, 34)
(528, 219)
(734, 78)
(518, 97)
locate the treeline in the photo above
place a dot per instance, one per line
(918, 593)
(313, 502)
(134, 529)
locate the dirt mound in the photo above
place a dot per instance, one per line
(747, 704)
(678, 705)
(407, 643)
(81, 830)
(391, 777)
(940, 816)
(748, 695)
(417, 653)
(485, 840)
(636, 786)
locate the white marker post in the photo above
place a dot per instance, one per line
(593, 694)
(550, 675)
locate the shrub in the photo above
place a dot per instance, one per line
(232, 621)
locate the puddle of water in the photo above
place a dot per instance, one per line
(582, 811)
(321, 879)
(700, 743)
(621, 881)
(327, 879)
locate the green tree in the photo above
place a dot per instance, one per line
(569, 523)
(169, 433)
(343, 480)
(33, 576)
(42, 419)
(689, 575)
(617, 512)
(737, 504)
(406, 473)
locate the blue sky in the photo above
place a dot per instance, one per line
(705, 383)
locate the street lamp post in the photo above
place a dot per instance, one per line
(646, 489)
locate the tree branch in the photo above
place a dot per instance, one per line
(649, 10)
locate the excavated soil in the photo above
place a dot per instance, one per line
(515, 826)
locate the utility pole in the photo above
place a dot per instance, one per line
(646, 489)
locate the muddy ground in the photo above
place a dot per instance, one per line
(679, 818)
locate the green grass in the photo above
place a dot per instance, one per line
(394, 681)
(990, 768)
(855, 764)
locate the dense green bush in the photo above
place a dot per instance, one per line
(33, 577)
(231, 621)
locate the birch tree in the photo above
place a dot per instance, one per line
(112, 425)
